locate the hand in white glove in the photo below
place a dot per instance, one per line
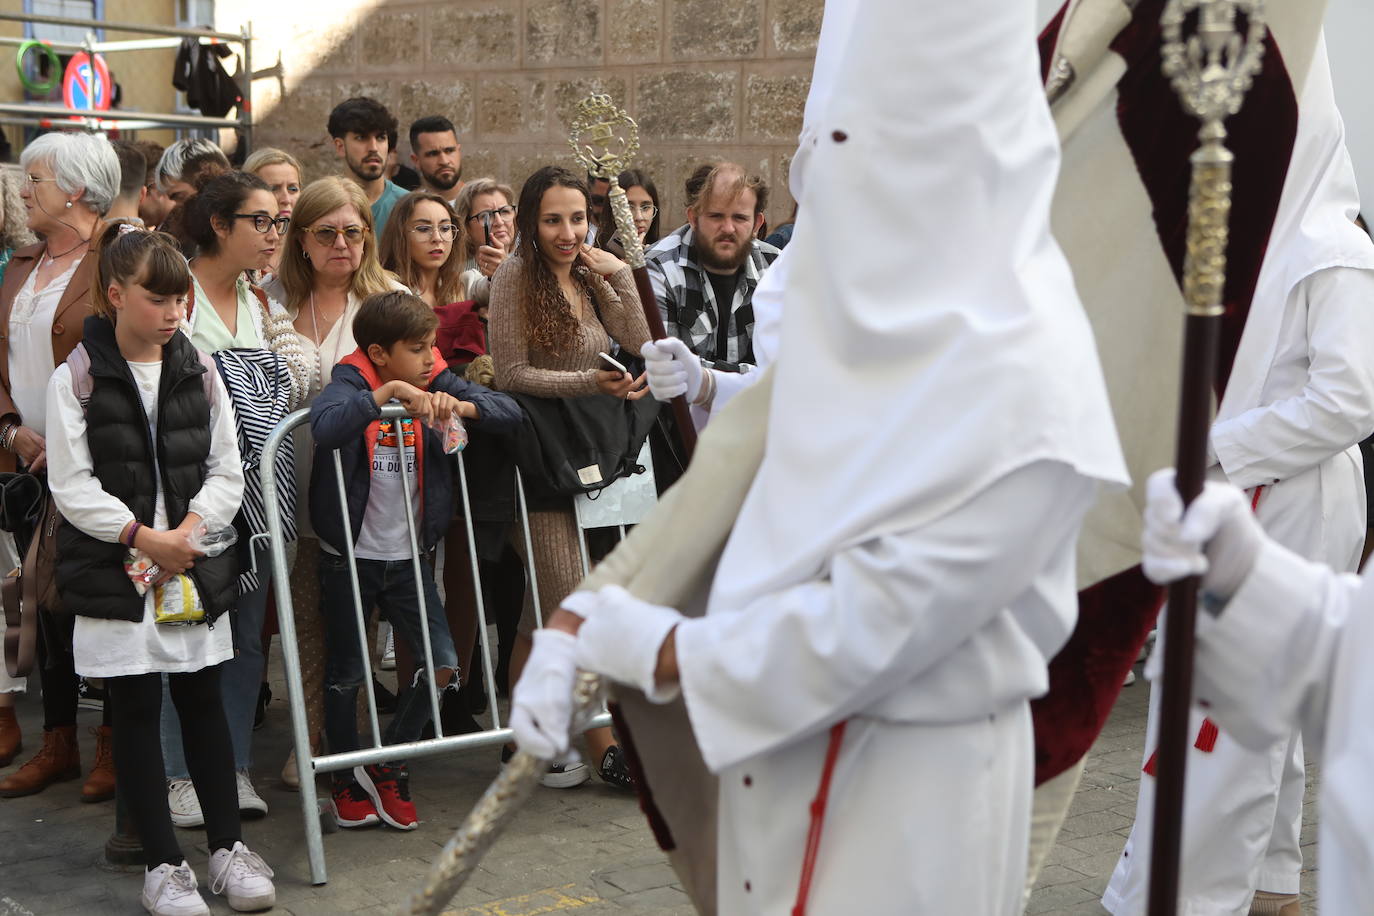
(672, 369)
(620, 639)
(1218, 537)
(541, 705)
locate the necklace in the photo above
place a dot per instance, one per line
(315, 321)
(53, 257)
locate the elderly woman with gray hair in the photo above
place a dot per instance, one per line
(69, 181)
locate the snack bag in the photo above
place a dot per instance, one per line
(176, 601)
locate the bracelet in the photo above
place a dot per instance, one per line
(708, 388)
(5, 435)
(13, 434)
(133, 533)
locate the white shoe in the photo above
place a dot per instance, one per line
(1130, 678)
(243, 878)
(170, 890)
(249, 799)
(184, 804)
(388, 662)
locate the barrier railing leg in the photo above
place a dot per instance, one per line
(529, 547)
(484, 642)
(358, 610)
(415, 562)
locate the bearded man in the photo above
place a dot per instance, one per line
(704, 274)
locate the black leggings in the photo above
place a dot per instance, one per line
(137, 702)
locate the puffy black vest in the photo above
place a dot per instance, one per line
(91, 576)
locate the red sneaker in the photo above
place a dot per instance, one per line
(352, 806)
(389, 789)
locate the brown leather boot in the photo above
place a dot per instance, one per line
(58, 760)
(100, 785)
(11, 740)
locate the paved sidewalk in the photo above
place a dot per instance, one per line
(585, 850)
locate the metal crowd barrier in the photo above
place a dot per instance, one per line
(310, 764)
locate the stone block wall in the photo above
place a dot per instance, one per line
(705, 79)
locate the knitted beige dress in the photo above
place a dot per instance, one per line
(521, 367)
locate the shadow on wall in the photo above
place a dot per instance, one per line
(705, 79)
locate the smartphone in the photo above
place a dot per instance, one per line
(611, 365)
(486, 225)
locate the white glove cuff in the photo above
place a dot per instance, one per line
(580, 603)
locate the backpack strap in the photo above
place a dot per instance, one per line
(79, 364)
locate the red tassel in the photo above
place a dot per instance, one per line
(813, 836)
(1207, 737)
(1149, 768)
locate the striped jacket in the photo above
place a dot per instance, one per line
(688, 301)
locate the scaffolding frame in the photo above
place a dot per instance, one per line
(58, 116)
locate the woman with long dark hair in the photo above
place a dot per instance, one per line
(555, 305)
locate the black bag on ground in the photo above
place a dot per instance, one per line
(580, 445)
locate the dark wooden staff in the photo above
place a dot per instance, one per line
(1211, 74)
(634, 257)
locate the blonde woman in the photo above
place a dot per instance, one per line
(328, 267)
(282, 173)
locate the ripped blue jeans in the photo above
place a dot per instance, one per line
(390, 586)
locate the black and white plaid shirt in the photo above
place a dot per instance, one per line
(688, 301)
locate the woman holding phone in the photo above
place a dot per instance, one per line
(556, 305)
(486, 220)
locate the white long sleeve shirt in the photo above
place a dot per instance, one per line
(944, 623)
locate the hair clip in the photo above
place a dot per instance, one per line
(125, 228)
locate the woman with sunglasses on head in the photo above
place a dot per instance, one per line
(486, 220)
(328, 267)
(232, 224)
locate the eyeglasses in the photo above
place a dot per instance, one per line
(34, 179)
(447, 231)
(262, 223)
(326, 235)
(503, 213)
(648, 211)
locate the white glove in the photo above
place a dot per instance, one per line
(672, 369)
(620, 639)
(1218, 537)
(541, 705)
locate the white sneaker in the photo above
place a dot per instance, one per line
(249, 799)
(243, 878)
(184, 804)
(388, 662)
(170, 890)
(1130, 678)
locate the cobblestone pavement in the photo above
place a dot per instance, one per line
(585, 850)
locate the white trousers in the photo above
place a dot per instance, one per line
(1242, 820)
(922, 819)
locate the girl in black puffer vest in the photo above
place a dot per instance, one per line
(143, 448)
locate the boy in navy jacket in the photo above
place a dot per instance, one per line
(396, 361)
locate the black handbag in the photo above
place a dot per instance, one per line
(580, 445)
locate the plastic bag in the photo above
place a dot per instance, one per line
(454, 434)
(212, 537)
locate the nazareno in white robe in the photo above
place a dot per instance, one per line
(903, 560)
(1291, 650)
(1300, 398)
